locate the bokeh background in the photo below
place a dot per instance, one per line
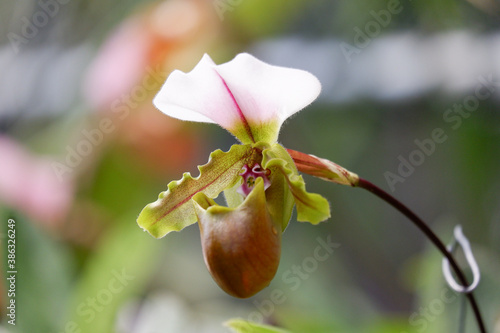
(82, 150)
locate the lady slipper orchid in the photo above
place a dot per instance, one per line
(260, 180)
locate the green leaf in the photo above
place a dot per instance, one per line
(245, 326)
(44, 274)
(115, 269)
(173, 211)
(311, 207)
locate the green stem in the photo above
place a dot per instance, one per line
(432, 236)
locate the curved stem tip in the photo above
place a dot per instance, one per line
(362, 183)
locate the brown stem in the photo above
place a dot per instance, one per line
(362, 183)
(332, 172)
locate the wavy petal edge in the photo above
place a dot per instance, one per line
(311, 207)
(173, 210)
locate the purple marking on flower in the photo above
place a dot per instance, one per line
(250, 177)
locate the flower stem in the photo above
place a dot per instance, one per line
(431, 235)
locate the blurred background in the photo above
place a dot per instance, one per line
(410, 101)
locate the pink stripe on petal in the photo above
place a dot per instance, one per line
(238, 109)
(242, 93)
(265, 92)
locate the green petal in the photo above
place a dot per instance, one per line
(245, 326)
(256, 132)
(311, 207)
(233, 198)
(173, 210)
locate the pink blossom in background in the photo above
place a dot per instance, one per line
(120, 64)
(166, 31)
(29, 184)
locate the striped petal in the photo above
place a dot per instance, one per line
(247, 97)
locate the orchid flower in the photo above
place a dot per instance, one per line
(260, 179)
